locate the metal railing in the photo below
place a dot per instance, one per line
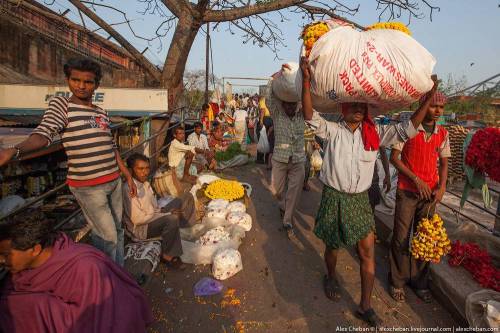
(123, 154)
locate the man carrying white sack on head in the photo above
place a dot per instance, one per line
(345, 218)
(288, 159)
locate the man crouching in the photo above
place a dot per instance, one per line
(57, 285)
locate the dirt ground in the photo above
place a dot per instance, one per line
(280, 287)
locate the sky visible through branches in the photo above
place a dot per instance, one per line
(464, 37)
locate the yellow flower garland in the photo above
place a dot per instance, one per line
(311, 33)
(430, 242)
(225, 189)
(390, 25)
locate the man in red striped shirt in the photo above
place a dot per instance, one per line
(421, 186)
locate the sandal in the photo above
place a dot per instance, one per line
(332, 288)
(424, 294)
(398, 294)
(370, 317)
(289, 231)
(175, 263)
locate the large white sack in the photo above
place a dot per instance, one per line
(383, 67)
(226, 264)
(198, 254)
(241, 219)
(286, 82)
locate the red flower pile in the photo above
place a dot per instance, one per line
(483, 153)
(477, 261)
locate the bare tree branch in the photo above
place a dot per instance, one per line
(245, 11)
(141, 60)
(176, 7)
(394, 9)
(313, 10)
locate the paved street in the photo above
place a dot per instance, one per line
(280, 287)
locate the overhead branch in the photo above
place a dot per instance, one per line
(391, 9)
(141, 59)
(176, 7)
(313, 10)
(248, 10)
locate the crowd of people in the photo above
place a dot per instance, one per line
(46, 265)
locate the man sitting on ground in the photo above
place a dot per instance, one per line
(57, 285)
(145, 220)
(200, 141)
(180, 157)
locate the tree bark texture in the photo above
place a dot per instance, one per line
(177, 56)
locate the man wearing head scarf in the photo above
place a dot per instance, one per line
(421, 186)
(57, 285)
(345, 218)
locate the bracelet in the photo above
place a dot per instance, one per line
(18, 151)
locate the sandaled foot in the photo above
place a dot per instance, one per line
(176, 263)
(370, 317)
(424, 294)
(398, 294)
(289, 231)
(331, 287)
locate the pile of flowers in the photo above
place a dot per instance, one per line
(483, 152)
(390, 25)
(477, 261)
(225, 189)
(311, 33)
(430, 242)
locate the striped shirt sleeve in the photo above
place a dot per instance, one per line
(54, 120)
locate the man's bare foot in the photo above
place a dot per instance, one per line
(189, 179)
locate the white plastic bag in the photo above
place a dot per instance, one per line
(226, 264)
(263, 144)
(383, 67)
(285, 82)
(316, 160)
(237, 206)
(241, 219)
(217, 212)
(197, 254)
(217, 204)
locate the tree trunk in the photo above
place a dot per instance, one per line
(175, 63)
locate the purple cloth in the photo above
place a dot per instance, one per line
(78, 289)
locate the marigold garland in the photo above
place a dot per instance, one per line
(311, 33)
(390, 25)
(483, 153)
(225, 189)
(430, 242)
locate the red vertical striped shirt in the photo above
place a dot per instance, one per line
(421, 155)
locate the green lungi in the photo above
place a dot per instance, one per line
(343, 219)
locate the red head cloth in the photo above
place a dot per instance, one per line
(438, 98)
(369, 133)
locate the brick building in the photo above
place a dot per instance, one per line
(35, 42)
